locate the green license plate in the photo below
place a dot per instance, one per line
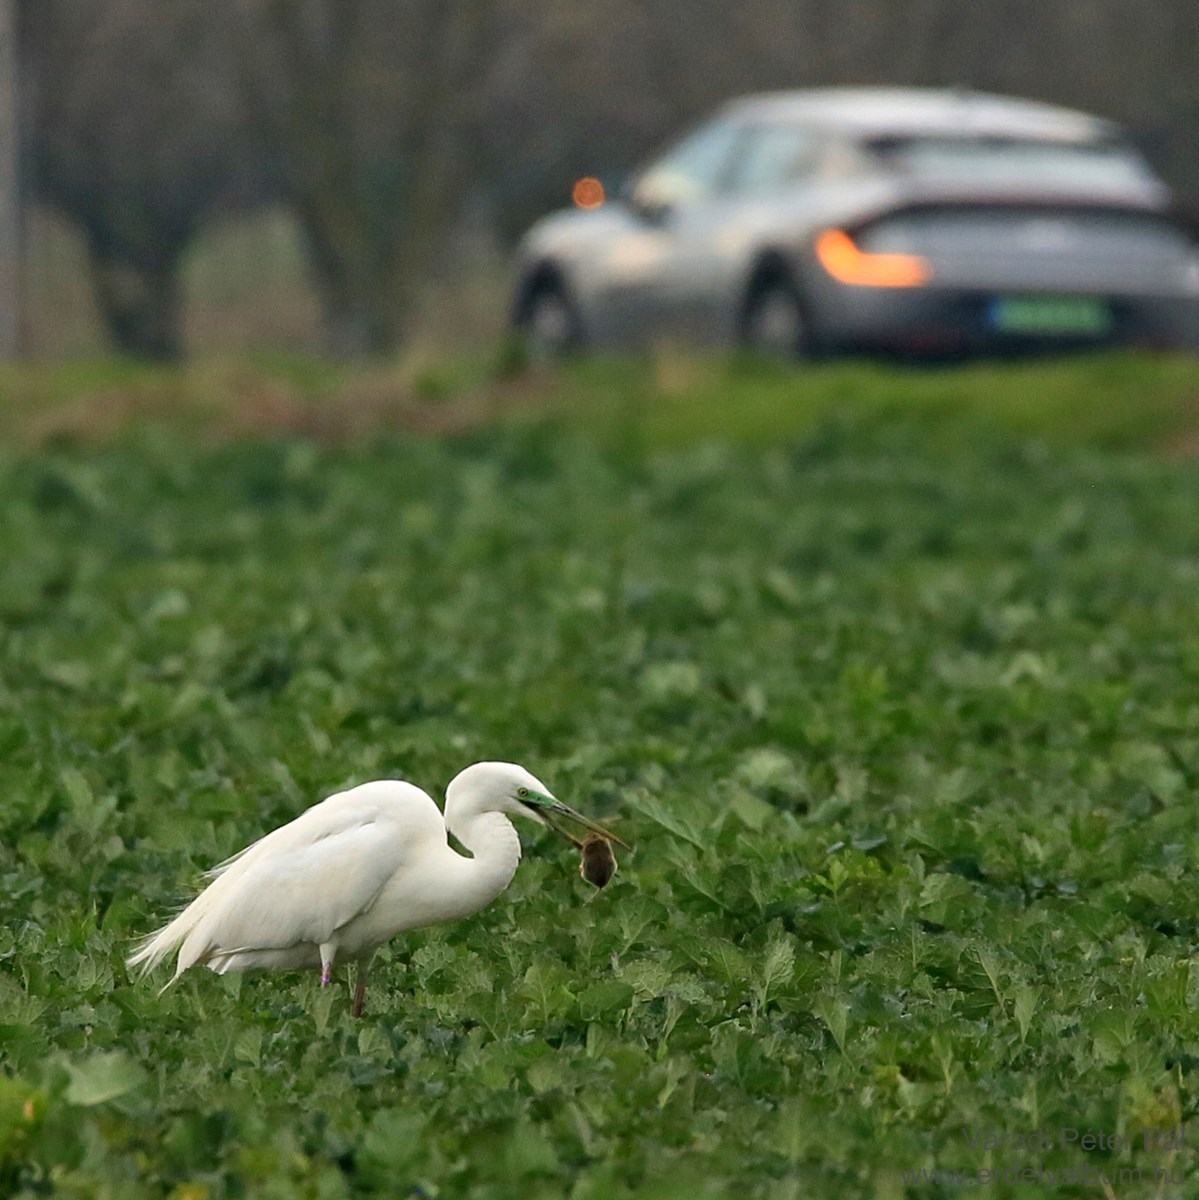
(1061, 315)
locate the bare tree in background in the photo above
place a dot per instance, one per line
(369, 107)
(10, 185)
(137, 140)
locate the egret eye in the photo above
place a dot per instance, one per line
(522, 792)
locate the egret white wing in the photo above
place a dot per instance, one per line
(335, 813)
(312, 874)
(302, 893)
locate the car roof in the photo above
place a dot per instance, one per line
(907, 112)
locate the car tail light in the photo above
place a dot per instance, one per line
(840, 257)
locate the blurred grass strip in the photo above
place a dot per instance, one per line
(1117, 401)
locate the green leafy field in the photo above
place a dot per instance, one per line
(900, 710)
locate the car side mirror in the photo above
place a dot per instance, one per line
(647, 203)
(654, 212)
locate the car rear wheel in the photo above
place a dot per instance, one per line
(548, 322)
(775, 323)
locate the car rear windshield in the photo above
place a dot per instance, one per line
(998, 160)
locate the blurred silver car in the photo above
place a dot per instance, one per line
(842, 220)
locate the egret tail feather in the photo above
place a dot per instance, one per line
(162, 943)
(176, 934)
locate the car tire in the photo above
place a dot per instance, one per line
(548, 323)
(775, 323)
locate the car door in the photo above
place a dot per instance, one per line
(713, 238)
(640, 263)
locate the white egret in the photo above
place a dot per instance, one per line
(354, 870)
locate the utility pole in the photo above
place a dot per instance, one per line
(10, 186)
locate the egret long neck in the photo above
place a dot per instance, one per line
(495, 854)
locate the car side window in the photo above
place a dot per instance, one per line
(772, 156)
(693, 169)
(841, 159)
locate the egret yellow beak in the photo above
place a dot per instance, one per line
(547, 807)
(563, 810)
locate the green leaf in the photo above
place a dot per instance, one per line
(544, 985)
(105, 1076)
(1025, 1004)
(392, 1143)
(431, 959)
(79, 791)
(604, 999)
(247, 1047)
(990, 964)
(726, 959)
(834, 1012)
(670, 819)
(753, 812)
(529, 1152)
(778, 969)
(767, 767)
(671, 681)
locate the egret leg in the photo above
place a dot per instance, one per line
(327, 954)
(360, 989)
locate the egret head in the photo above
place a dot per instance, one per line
(510, 789)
